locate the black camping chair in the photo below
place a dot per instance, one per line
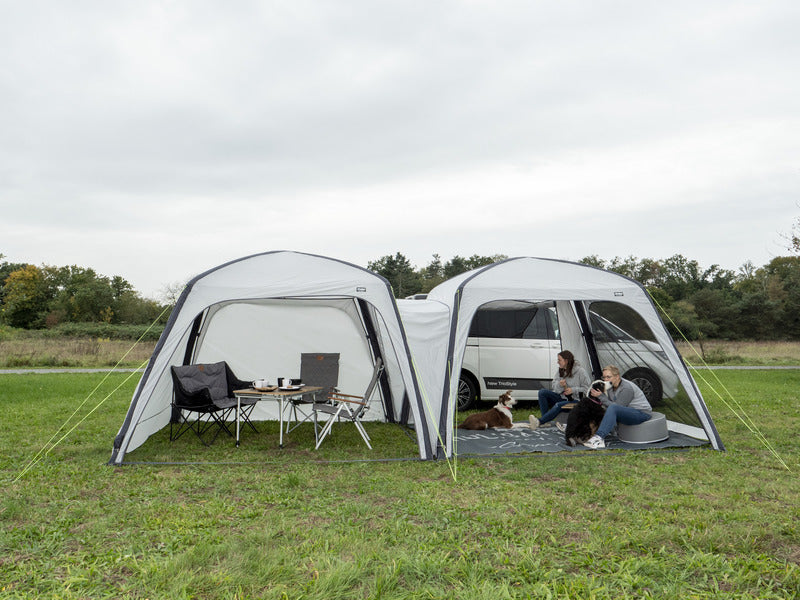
(318, 369)
(347, 407)
(206, 392)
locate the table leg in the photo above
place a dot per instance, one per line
(281, 423)
(238, 408)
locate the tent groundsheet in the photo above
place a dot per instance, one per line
(549, 439)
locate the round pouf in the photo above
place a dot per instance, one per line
(654, 430)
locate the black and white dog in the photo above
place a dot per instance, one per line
(584, 419)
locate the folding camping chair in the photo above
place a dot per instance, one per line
(207, 391)
(347, 407)
(318, 369)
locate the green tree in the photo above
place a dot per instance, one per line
(82, 295)
(683, 321)
(432, 274)
(26, 294)
(459, 264)
(681, 277)
(6, 268)
(716, 313)
(397, 269)
(783, 290)
(593, 261)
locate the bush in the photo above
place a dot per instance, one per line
(107, 331)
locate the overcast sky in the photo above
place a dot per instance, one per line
(155, 140)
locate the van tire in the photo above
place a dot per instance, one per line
(467, 396)
(648, 382)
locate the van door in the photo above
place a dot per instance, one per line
(517, 344)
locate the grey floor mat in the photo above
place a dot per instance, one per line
(547, 439)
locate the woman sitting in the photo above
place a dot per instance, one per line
(569, 383)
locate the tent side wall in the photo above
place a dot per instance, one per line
(427, 325)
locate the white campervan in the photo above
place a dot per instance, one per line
(513, 345)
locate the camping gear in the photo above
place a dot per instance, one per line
(317, 369)
(203, 390)
(653, 430)
(347, 407)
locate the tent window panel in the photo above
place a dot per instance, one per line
(623, 339)
(489, 323)
(620, 321)
(544, 325)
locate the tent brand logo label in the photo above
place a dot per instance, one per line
(361, 289)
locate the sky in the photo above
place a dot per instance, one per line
(156, 140)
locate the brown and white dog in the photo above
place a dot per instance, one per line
(498, 416)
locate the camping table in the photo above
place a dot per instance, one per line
(276, 394)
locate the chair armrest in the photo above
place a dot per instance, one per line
(234, 383)
(344, 398)
(339, 394)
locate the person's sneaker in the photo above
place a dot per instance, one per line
(560, 426)
(533, 422)
(595, 442)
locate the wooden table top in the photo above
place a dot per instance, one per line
(274, 390)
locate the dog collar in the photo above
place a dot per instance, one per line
(595, 400)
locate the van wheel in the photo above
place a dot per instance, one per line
(467, 393)
(648, 382)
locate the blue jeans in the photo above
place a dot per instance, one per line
(620, 414)
(550, 404)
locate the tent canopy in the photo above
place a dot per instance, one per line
(574, 288)
(259, 313)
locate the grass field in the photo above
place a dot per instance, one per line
(72, 352)
(258, 522)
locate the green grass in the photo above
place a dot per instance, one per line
(689, 524)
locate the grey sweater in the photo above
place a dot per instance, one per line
(627, 394)
(579, 382)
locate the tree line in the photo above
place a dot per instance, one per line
(761, 303)
(33, 297)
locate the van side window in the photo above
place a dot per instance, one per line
(492, 323)
(526, 321)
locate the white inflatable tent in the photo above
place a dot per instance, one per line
(259, 313)
(573, 287)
